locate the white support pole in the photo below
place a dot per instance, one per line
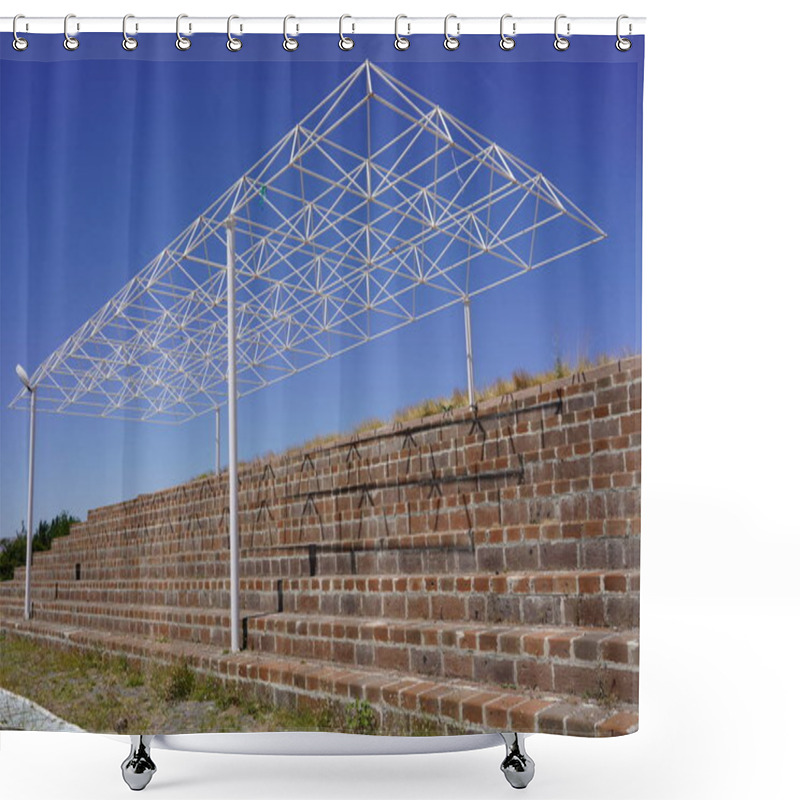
(468, 335)
(233, 461)
(29, 543)
(216, 440)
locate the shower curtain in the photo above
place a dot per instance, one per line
(330, 361)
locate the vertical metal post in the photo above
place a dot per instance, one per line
(233, 461)
(470, 374)
(216, 440)
(29, 543)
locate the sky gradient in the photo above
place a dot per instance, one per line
(106, 155)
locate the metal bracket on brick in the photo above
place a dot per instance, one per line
(312, 560)
(477, 425)
(366, 494)
(353, 450)
(408, 439)
(268, 473)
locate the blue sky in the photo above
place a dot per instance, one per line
(107, 155)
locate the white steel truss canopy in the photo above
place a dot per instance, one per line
(377, 209)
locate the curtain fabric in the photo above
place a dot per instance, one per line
(401, 293)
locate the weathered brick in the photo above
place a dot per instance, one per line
(497, 712)
(426, 661)
(535, 675)
(619, 724)
(183, 534)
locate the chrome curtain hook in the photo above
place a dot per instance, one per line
(451, 42)
(622, 44)
(128, 42)
(19, 44)
(289, 44)
(181, 42)
(233, 44)
(507, 42)
(401, 42)
(70, 42)
(560, 43)
(345, 42)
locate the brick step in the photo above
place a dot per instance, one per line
(532, 495)
(256, 596)
(559, 518)
(599, 660)
(391, 455)
(574, 598)
(564, 660)
(143, 552)
(132, 590)
(599, 406)
(402, 703)
(396, 510)
(610, 545)
(208, 626)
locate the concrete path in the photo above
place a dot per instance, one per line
(19, 713)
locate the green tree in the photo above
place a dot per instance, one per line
(12, 551)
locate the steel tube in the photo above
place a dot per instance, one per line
(468, 336)
(216, 440)
(233, 460)
(29, 542)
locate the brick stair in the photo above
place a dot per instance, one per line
(400, 700)
(565, 660)
(426, 567)
(597, 599)
(609, 544)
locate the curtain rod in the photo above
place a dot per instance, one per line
(408, 25)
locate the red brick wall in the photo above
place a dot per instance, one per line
(516, 532)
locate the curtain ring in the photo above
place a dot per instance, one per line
(19, 44)
(507, 42)
(560, 43)
(622, 44)
(345, 42)
(450, 42)
(70, 42)
(181, 42)
(128, 42)
(401, 42)
(233, 44)
(289, 44)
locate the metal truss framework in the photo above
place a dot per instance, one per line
(377, 209)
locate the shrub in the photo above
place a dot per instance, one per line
(359, 717)
(12, 551)
(179, 683)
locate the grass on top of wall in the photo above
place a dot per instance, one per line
(519, 379)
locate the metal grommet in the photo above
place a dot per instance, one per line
(345, 42)
(289, 44)
(401, 42)
(560, 43)
(70, 42)
(451, 42)
(19, 44)
(181, 42)
(507, 42)
(622, 44)
(128, 42)
(233, 44)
